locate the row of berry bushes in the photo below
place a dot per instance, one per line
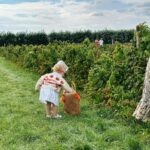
(108, 74)
(118, 75)
(41, 58)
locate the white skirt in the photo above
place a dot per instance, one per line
(47, 94)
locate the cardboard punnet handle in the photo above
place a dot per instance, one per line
(73, 85)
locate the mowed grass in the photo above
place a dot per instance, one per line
(23, 125)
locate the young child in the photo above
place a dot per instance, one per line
(50, 85)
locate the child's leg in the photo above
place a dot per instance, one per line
(48, 108)
(55, 109)
(55, 112)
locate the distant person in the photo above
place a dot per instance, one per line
(50, 85)
(101, 42)
(97, 43)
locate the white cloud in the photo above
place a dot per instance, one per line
(135, 1)
(67, 15)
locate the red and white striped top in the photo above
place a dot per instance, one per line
(55, 81)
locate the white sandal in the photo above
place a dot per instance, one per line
(57, 116)
(48, 116)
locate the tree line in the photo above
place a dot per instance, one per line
(41, 38)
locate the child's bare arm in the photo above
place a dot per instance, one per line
(66, 87)
(39, 83)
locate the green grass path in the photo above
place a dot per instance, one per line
(23, 125)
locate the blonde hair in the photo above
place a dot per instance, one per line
(60, 66)
(57, 68)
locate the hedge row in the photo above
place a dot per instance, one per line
(41, 58)
(118, 75)
(23, 38)
(112, 73)
(122, 36)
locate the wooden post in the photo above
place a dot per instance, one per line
(137, 39)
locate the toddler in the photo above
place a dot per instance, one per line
(50, 85)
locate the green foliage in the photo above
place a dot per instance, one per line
(75, 56)
(145, 36)
(41, 58)
(118, 75)
(122, 36)
(98, 77)
(39, 38)
(86, 41)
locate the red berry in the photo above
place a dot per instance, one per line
(62, 82)
(57, 78)
(51, 76)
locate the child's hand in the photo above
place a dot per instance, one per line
(38, 88)
(65, 91)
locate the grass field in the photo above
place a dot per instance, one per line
(23, 125)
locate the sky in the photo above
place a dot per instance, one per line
(72, 15)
